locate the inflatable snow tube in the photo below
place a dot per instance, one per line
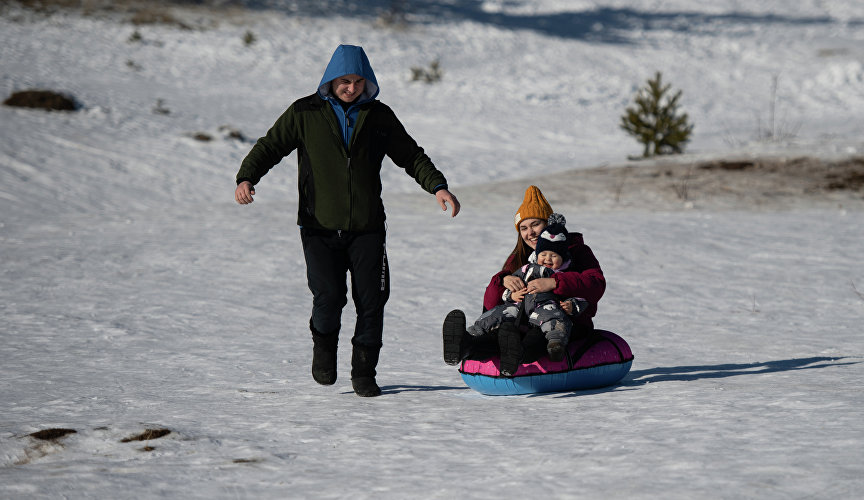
(597, 360)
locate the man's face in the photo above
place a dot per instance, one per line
(348, 88)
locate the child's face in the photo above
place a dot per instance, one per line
(550, 259)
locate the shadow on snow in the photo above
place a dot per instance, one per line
(666, 374)
(697, 372)
(396, 389)
(690, 373)
(605, 24)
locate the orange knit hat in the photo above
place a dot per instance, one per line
(534, 206)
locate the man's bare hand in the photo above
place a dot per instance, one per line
(243, 193)
(444, 197)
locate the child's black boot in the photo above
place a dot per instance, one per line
(555, 349)
(510, 348)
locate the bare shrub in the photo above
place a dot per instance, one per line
(682, 188)
(249, 38)
(394, 17)
(160, 108)
(151, 16)
(430, 75)
(774, 130)
(232, 133)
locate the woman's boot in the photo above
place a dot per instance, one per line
(454, 337)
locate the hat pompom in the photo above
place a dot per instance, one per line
(555, 218)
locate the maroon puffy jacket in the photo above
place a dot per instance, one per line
(583, 278)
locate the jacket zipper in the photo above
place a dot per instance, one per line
(345, 132)
(348, 167)
(350, 204)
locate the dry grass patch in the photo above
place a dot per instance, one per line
(147, 435)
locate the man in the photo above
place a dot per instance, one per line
(341, 134)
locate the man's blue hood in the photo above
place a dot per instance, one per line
(349, 60)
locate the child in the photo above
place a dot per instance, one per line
(544, 309)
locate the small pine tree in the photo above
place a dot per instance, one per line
(655, 121)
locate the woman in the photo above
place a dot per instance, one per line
(583, 278)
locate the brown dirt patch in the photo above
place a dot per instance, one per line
(850, 178)
(182, 14)
(51, 434)
(42, 99)
(771, 183)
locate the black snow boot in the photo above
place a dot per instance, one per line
(510, 347)
(454, 337)
(324, 356)
(363, 362)
(556, 350)
(534, 345)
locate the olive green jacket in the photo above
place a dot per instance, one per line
(339, 189)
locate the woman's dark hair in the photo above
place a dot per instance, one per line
(518, 257)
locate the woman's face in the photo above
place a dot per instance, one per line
(530, 229)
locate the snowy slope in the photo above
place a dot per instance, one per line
(135, 294)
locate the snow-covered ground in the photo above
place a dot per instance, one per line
(135, 294)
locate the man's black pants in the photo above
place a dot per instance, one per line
(329, 255)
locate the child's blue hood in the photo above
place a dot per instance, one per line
(349, 60)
